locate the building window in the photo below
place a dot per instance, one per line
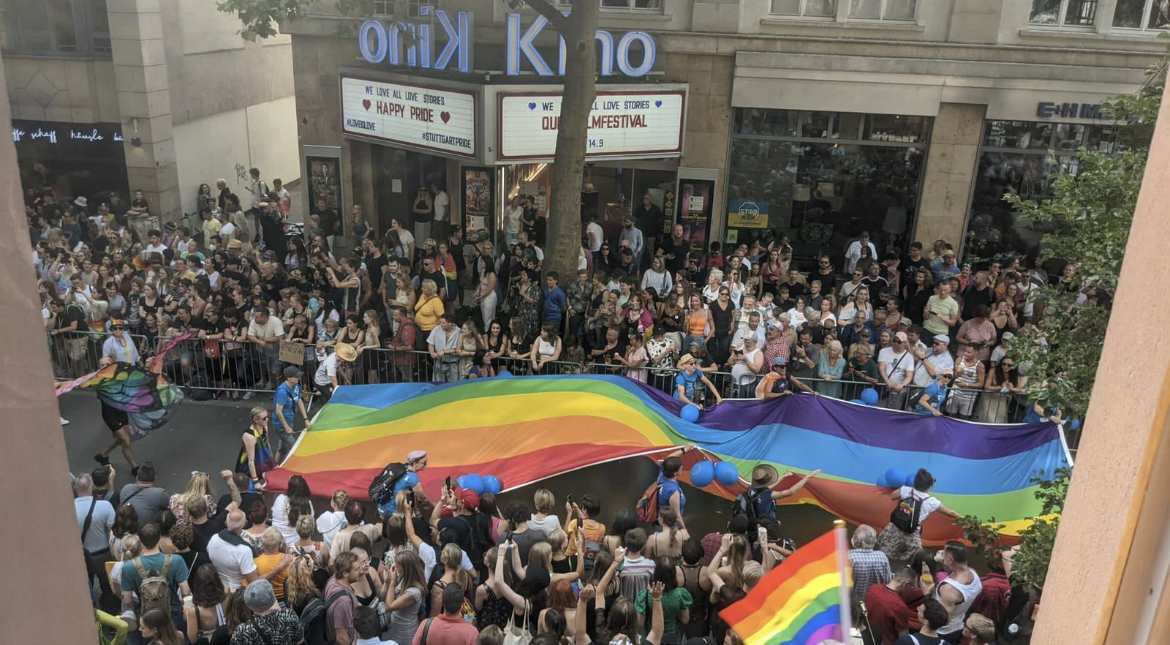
(1023, 158)
(820, 178)
(648, 6)
(883, 9)
(61, 27)
(1142, 14)
(812, 8)
(1064, 13)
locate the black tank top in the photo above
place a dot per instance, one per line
(722, 317)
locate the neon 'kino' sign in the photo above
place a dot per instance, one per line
(413, 45)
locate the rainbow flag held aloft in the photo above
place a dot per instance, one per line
(804, 601)
(526, 429)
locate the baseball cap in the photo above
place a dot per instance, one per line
(469, 497)
(901, 336)
(904, 322)
(943, 338)
(779, 360)
(292, 372)
(1008, 336)
(259, 596)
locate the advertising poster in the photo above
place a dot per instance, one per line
(694, 212)
(478, 193)
(324, 178)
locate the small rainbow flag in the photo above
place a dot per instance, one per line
(804, 601)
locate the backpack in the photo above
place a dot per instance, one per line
(200, 387)
(314, 622)
(905, 514)
(382, 488)
(746, 504)
(592, 544)
(154, 592)
(647, 508)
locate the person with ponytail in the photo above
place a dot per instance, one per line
(620, 624)
(669, 540)
(158, 629)
(675, 601)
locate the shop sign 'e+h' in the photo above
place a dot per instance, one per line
(413, 45)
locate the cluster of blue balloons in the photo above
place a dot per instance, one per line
(895, 478)
(690, 412)
(705, 472)
(869, 396)
(480, 483)
(504, 374)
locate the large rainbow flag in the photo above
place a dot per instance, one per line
(804, 601)
(526, 429)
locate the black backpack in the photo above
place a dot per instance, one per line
(314, 621)
(382, 488)
(905, 514)
(745, 505)
(200, 387)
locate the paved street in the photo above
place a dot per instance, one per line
(202, 436)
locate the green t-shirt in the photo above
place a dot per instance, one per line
(176, 575)
(673, 604)
(948, 308)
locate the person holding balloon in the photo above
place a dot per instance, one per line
(691, 384)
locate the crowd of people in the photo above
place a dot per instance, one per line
(753, 320)
(251, 568)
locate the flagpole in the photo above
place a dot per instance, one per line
(845, 588)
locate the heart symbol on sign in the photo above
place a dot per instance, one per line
(445, 116)
(658, 104)
(531, 106)
(366, 103)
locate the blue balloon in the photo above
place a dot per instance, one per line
(869, 396)
(504, 374)
(726, 473)
(858, 401)
(473, 482)
(690, 413)
(461, 481)
(895, 477)
(909, 480)
(881, 481)
(702, 474)
(491, 484)
(1075, 425)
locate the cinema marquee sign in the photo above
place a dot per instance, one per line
(409, 44)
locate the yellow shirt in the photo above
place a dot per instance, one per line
(267, 562)
(427, 312)
(210, 227)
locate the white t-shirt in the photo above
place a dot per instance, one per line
(405, 239)
(271, 329)
(512, 223)
(326, 369)
(596, 236)
(549, 524)
(280, 519)
(897, 365)
(233, 562)
(929, 503)
(329, 524)
(156, 248)
(227, 232)
(442, 206)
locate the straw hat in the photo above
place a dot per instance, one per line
(346, 352)
(686, 358)
(765, 476)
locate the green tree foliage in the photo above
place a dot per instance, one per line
(1030, 562)
(1089, 214)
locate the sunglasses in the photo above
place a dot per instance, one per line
(263, 417)
(118, 328)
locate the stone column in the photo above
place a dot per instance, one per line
(950, 171)
(49, 604)
(144, 101)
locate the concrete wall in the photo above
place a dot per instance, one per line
(225, 145)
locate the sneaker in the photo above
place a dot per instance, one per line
(105, 461)
(248, 395)
(64, 421)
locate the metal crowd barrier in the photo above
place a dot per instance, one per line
(216, 368)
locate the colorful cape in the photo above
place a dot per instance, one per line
(148, 399)
(530, 428)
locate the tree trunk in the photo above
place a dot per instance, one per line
(563, 245)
